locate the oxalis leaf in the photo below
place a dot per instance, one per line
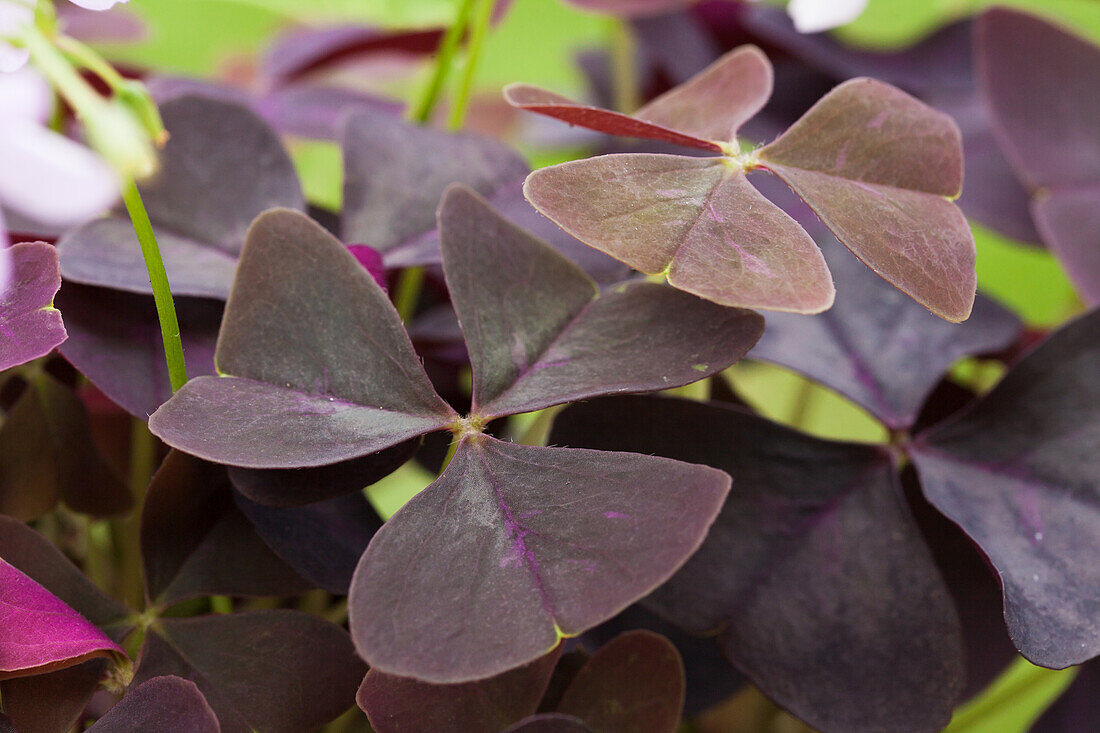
(1018, 472)
(345, 382)
(876, 165)
(30, 326)
(1048, 130)
(815, 577)
(167, 704)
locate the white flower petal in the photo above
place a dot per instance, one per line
(14, 14)
(814, 16)
(50, 178)
(25, 94)
(12, 58)
(97, 4)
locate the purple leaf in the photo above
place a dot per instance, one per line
(30, 326)
(633, 7)
(195, 541)
(39, 633)
(221, 167)
(1068, 219)
(634, 684)
(269, 671)
(115, 341)
(303, 51)
(1017, 471)
(876, 346)
(53, 702)
(47, 453)
(371, 260)
(515, 547)
(873, 161)
(395, 174)
(550, 723)
(322, 542)
(1048, 130)
(540, 334)
(1079, 706)
(814, 575)
(396, 704)
(343, 383)
(696, 219)
(166, 704)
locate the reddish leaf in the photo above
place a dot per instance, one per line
(634, 684)
(1068, 219)
(550, 723)
(873, 161)
(514, 547)
(697, 219)
(53, 702)
(39, 633)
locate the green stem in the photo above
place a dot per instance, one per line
(127, 532)
(162, 293)
(473, 54)
(54, 66)
(421, 111)
(82, 55)
(451, 450)
(624, 72)
(406, 294)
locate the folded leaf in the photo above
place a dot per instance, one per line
(514, 547)
(29, 324)
(1017, 471)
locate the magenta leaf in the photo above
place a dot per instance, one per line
(1048, 130)
(1017, 472)
(47, 453)
(395, 174)
(195, 541)
(514, 547)
(395, 704)
(879, 168)
(39, 633)
(115, 341)
(815, 575)
(540, 334)
(267, 671)
(331, 393)
(633, 7)
(323, 541)
(30, 326)
(634, 684)
(697, 220)
(221, 167)
(876, 346)
(166, 704)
